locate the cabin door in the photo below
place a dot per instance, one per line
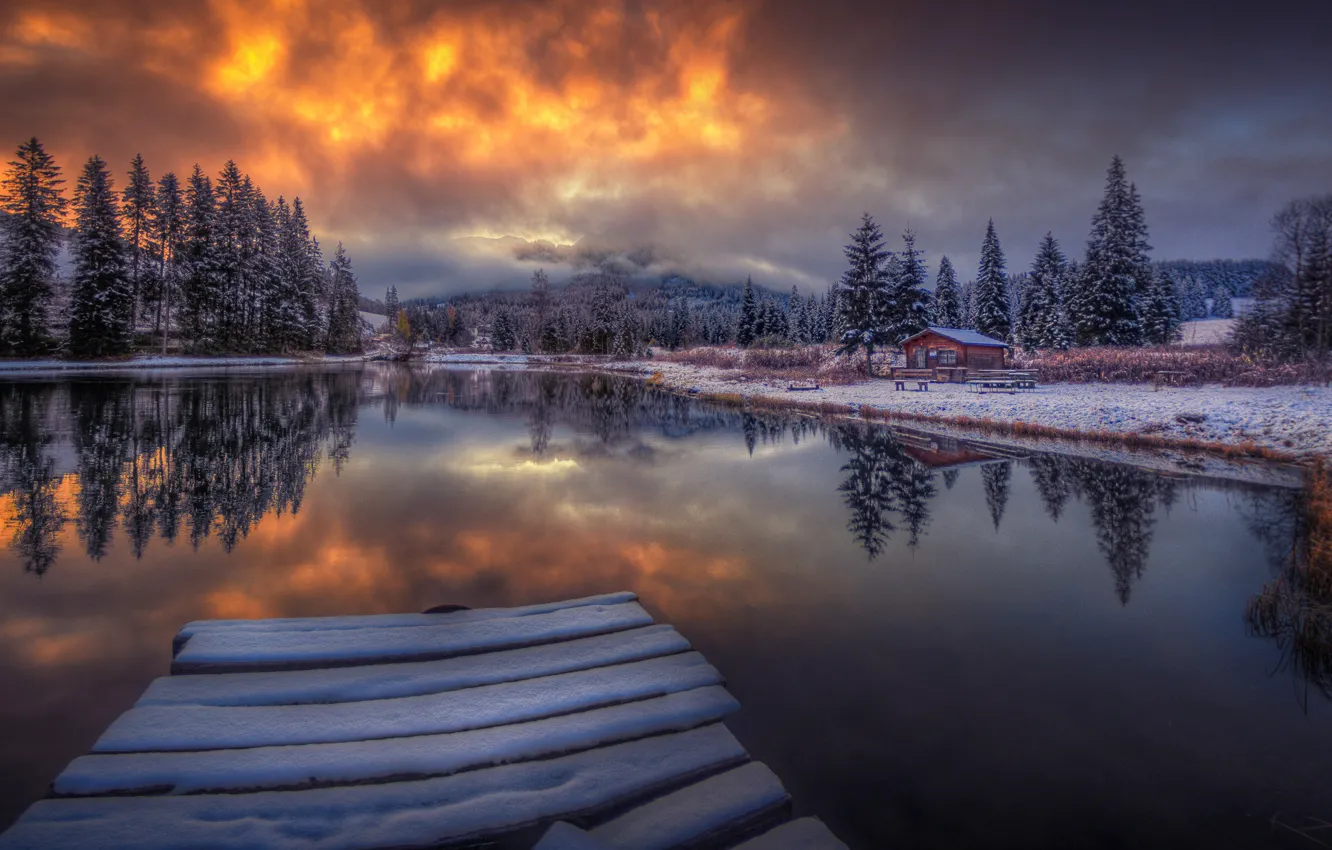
(920, 358)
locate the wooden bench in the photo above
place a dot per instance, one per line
(424, 730)
(983, 385)
(922, 386)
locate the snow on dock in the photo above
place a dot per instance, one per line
(426, 730)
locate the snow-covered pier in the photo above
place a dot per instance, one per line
(580, 721)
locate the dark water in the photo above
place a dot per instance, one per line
(1030, 652)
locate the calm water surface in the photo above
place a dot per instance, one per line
(1034, 652)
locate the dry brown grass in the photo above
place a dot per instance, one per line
(799, 363)
(1198, 365)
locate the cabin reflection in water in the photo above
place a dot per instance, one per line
(166, 456)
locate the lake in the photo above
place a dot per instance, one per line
(935, 644)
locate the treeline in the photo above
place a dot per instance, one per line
(1207, 287)
(1291, 318)
(212, 264)
(1115, 296)
(599, 313)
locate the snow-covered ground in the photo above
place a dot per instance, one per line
(1206, 331)
(1297, 419)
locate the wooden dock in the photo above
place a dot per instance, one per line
(577, 724)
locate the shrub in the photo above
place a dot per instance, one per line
(1196, 364)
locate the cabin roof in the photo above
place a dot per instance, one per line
(961, 335)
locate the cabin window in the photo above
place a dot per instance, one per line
(948, 357)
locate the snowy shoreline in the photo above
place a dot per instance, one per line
(1292, 420)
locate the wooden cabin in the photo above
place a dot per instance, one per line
(950, 353)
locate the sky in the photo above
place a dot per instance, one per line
(717, 139)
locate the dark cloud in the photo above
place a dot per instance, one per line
(714, 138)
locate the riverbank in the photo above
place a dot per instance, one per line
(1281, 423)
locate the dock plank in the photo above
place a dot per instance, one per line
(403, 679)
(193, 727)
(290, 767)
(364, 621)
(802, 834)
(416, 814)
(258, 651)
(699, 813)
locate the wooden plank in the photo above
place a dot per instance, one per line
(385, 681)
(361, 621)
(292, 767)
(700, 814)
(802, 834)
(246, 650)
(418, 814)
(195, 727)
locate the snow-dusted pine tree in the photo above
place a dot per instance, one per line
(1103, 302)
(863, 297)
(137, 203)
(502, 336)
(1221, 304)
(991, 294)
(344, 318)
(1160, 311)
(200, 286)
(1042, 319)
(31, 196)
(391, 304)
(167, 226)
(947, 297)
(912, 302)
(102, 302)
(749, 316)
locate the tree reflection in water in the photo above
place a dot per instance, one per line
(159, 455)
(1295, 608)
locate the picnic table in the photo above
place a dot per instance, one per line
(1002, 380)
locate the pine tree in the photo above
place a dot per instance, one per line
(306, 264)
(912, 302)
(391, 303)
(32, 198)
(200, 279)
(344, 319)
(102, 307)
(1103, 304)
(167, 227)
(1042, 319)
(863, 297)
(993, 316)
(745, 330)
(1222, 308)
(947, 297)
(795, 317)
(137, 205)
(541, 304)
(1160, 311)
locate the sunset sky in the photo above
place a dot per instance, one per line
(726, 138)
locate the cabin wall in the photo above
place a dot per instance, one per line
(925, 353)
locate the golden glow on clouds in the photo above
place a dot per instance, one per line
(566, 88)
(471, 84)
